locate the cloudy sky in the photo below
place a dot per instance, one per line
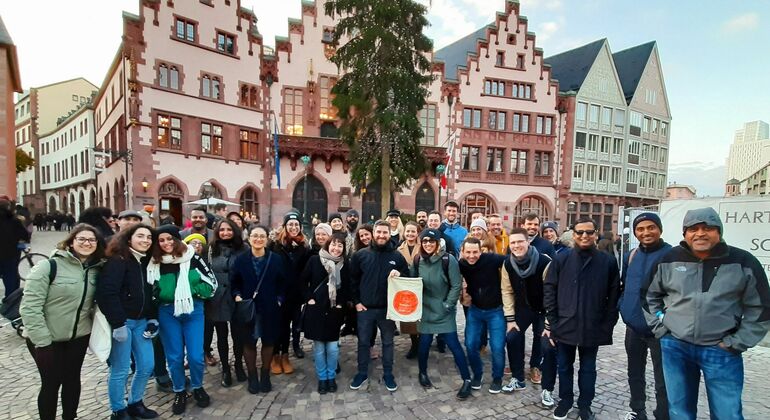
(714, 53)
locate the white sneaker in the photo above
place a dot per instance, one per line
(546, 398)
(514, 385)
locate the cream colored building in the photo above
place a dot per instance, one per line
(750, 150)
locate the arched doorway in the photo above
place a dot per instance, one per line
(475, 202)
(73, 201)
(317, 202)
(64, 203)
(530, 204)
(107, 196)
(249, 202)
(92, 199)
(81, 203)
(210, 191)
(372, 203)
(425, 199)
(170, 197)
(51, 204)
(120, 196)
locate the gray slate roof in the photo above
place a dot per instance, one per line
(571, 67)
(456, 54)
(5, 37)
(630, 64)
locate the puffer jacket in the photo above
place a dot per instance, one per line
(59, 309)
(724, 297)
(369, 270)
(634, 280)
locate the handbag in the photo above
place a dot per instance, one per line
(100, 341)
(246, 310)
(304, 307)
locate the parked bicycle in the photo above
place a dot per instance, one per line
(28, 260)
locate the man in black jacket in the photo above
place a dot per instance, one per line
(482, 275)
(13, 233)
(580, 296)
(370, 269)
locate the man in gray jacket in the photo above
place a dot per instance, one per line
(708, 302)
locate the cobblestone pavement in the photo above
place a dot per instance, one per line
(294, 396)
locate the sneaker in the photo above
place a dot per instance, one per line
(561, 411)
(465, 390)
(546, 398)
(587, 414)
(180, 402)
(201, 398)
(535, 376)
(476, 382)
(633, 415)
(514, 385)
(139, 411)
(358, 381)
(211, 360)
(390, 382)
(497, 386)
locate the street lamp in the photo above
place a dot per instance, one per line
(440, 171)
(207, 189)
(145, 184)
(305, 161)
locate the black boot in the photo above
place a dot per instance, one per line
(120, 415)
(139, 411)
(253, 384)
(322, 388)
(412, 353)
(201, 398)
(240, 374)
(332, 385)
(425, 380)
(465, 390)
(227, 377)
(298, 352)
(265, 385)
(180, 402)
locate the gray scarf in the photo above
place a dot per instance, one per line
(333, 265)
(532, 256)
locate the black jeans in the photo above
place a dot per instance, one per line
(223, 347)
(548, 366)
(586, 374)
(59, 367)
(636, 348)
(9, 271)
(515, 341)
(160, 371)
(368, 322)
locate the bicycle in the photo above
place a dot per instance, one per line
(28, 260)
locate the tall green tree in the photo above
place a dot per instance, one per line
(381, 52)
(23, 161)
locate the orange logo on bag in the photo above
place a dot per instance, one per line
(405, 302)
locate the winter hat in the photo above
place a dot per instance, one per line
(394, 212)
(129, 213)
(431, 234)
(652, 217)
(170, 229)
(549, 225)
(334, 216)
(291, 216)
(193, 236)
(706, 215)
(324, 227)
(480, 222)
(352, 212)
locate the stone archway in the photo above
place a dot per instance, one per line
(51, 204)
(476, 202)
(170, 195)
(531, 204)
(425, 198)
(317, 200)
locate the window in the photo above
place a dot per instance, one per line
(519, 162)
(520, 61)
(75, 98)
(494, 87)
(525, 123)
(635, 124)
(632, 176)
(661, 181)
(466, 117)
(292, 111)
(593, 116)
(327, 110)
(650, 96)
(249, 144)
(580, 114)
(163, 75)
(428, 124)
(580, 141)
(643, 179)
(169, 132)
(663, 153)
(654, 154)
(592, 140)
(539, 124)
(522, 91)
(645, 151)
(620, 120)
(497, 120)
(604, 172)
(543, 125)
(606, 118)
(548, 125)
(615, 176)
(500, 60)
(633, 147)
(591, 173)
(542, 163)
(494, 160)
(646, 125)
(328, 35)
(471, 118)
(476, 118)
(211, 139)
(225, 43)
(664, 129)
(210, 87)
(185, 29)
(249, 96)
(604, 146)
(617, 146)
(470, 155)
(577, 171)
(654, 128)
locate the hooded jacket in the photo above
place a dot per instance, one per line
(724, 297)
(456, 233)
(369, 270)
(635, 280)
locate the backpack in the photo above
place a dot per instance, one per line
(444, 265)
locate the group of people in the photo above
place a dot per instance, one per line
(695, 307)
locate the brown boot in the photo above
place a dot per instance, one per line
(275, 365)
(286, 364)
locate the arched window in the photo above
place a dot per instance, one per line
(475, 202)
(317, 202)
(531, 204)
(425, 199)
(249, 201)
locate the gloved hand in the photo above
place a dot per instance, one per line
(152, 329)
(120, 334)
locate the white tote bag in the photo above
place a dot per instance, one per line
(405, 299)
(100, 342)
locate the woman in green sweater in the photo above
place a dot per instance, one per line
(56, 310)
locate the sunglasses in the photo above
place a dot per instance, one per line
(426, 240)
(585, 232)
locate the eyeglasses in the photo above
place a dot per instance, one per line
(258, 236)
(196, 243)
(81, 240)
(585, 232)
(426, 240)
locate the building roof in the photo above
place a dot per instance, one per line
(455, 54)
(733, 181)
(571, 67)
(7, 43)
(683, 186)
(630, 64)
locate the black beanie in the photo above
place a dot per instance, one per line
(291, 216)
(654, 218)
(170, 229)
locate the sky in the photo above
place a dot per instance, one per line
(714, 54)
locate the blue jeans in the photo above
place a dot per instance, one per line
(325, 355)
(120, 361)
(722, 373)
(494, 320)
(451, 341)
(178, 334)
(586, 374)
(368, 322)
(515, 341)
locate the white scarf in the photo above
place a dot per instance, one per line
(333, 266)
(183, 301)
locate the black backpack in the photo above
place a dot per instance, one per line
(444, 265)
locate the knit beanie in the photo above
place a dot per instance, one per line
(652, 217)
(324, 227)
(549, 225)
(334, 216)
(480, 222)
(193, 236)
(291, 216)
(170, 229)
